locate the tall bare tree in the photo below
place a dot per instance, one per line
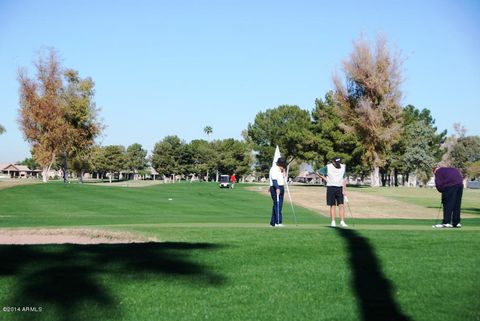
(42, 111)
(369, 100)
(56, 119)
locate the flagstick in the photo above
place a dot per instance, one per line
(290, 197)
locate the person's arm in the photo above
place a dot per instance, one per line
(276, 187)
(322, 173)
(439, 181)
(344, 185)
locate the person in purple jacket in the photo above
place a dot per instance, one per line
(449, 182)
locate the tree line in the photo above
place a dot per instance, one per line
(360, 120)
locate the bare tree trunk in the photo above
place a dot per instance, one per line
(45, 171)
(65, 168)
(375, 177)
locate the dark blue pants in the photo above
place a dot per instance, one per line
(277, 207)
(452, 202)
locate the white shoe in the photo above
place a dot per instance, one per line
(333, 224)
(279, 225)
(442, 225)
(343, 224)
(458, 225)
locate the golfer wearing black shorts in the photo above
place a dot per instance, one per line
(334, 195)
(334, 175)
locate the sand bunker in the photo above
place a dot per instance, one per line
(71, 236)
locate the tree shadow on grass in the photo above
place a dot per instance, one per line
(373, 290)
(68, 280)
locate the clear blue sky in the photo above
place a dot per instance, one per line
(173, 67)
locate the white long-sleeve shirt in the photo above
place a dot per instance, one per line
(276, 174)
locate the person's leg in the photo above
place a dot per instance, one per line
(341, 210)
(331, 202)
(282, 193)
(457, 205)
(448, 200)
(332, 212)
(273, 219)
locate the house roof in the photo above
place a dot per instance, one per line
(15, 167)
(23, 168)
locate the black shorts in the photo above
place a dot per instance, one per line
(334, 195)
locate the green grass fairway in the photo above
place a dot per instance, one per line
(219, 260)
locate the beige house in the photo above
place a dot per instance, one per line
(17, 171)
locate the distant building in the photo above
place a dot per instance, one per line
(18, 171)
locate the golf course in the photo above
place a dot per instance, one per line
(192, 251)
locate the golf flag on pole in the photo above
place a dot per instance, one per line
(276, 156)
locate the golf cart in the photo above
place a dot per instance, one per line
(224, 181)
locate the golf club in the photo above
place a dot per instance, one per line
(349, 209)
(438, 215)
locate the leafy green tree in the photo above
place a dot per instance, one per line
(200, 155)
(419, 146)
(234, 157)
(81, 114)
(419, 155)
(2, 129)
(473, 170)
(30, 163)
(98, 161)
(168, 156)
(369, 101)
(136, 158)
(330, 139)
(114, 159)
(81, 163)
(287, 126)
(466, 152)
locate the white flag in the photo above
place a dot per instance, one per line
(276, 156)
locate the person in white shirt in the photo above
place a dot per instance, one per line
(277, 190)
(334, 174)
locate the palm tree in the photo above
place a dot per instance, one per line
(208, 130)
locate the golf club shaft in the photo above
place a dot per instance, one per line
(350, 210)
(438, 213)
